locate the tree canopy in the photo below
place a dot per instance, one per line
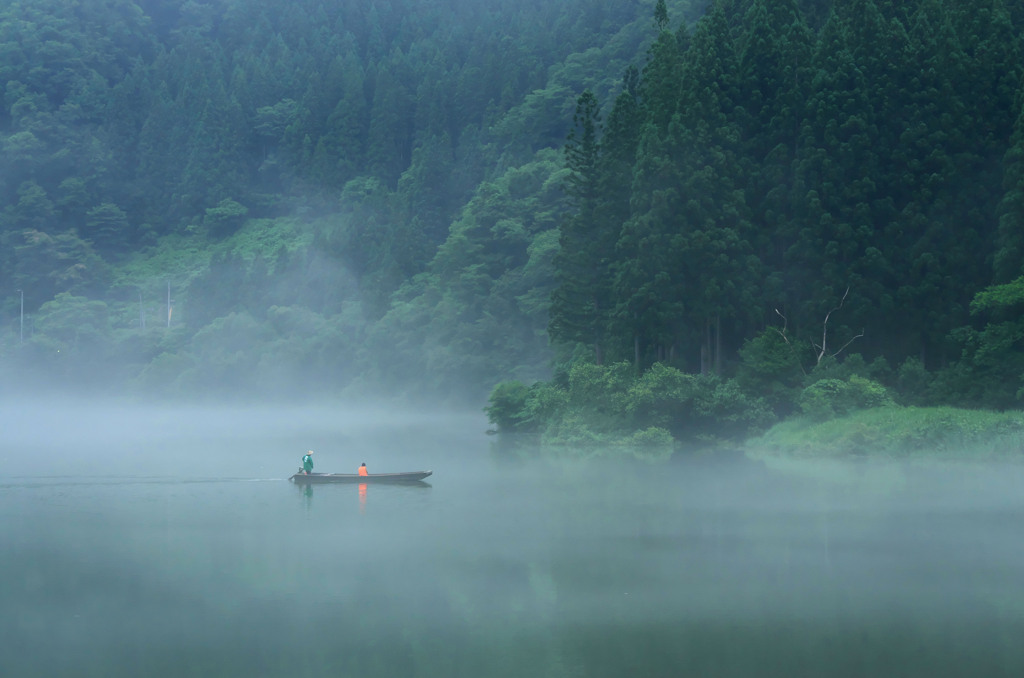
(319, 196)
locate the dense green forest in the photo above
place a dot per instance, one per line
(225, 196)
(754, 206)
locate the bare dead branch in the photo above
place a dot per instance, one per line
(822, 349)
(848, 343)
(824, 331)
(784, 322)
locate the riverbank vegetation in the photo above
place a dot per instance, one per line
(608, 410)
(781, 233)
(893, 432)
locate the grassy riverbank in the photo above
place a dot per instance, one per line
(898, 432)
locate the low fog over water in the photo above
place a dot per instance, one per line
(168, 542)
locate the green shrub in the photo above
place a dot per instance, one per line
(544, 404)
(226, 217)
(663, 397)
(831, 398)
(517, 408)
(898, 433)
(507, 405)
(831, 367)
(771, 367)
(914, 382)
(608, 405)
(731, 413)
(598, 394)
(572, 431)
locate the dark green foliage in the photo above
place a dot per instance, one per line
(1009, 257)
(106, 227)
(45, 265)
(766, 177)
(599, 394)
(831, 398)
(384, 193)
(581, 302)
(479, 311)
(770, 368)
(661, 15)
(225, 218)
(663, 397)
(914, 383)
(71, 339)
(775, 72)
(992, 358)
(507, 405)
(611, 404)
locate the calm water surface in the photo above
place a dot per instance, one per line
(169, 544)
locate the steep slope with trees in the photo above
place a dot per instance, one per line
(187, 162)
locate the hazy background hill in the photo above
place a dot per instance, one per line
(283, 167)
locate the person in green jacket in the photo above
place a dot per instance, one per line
(307, 462)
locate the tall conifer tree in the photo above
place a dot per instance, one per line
(648, 303)
(580, 302)
(1009, 255)
(712, 232)
(776, 77)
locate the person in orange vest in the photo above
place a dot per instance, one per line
(363, 471)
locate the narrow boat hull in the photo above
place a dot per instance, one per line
(409, 477)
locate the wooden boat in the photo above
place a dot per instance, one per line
(408, 477)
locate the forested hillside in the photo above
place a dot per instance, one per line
(428, 198)
(282, 167)
(761, 175)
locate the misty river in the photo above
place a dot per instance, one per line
(167, 542)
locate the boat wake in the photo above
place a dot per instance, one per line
(65, 481)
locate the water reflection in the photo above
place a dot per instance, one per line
(549, 568)
(391, 492)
